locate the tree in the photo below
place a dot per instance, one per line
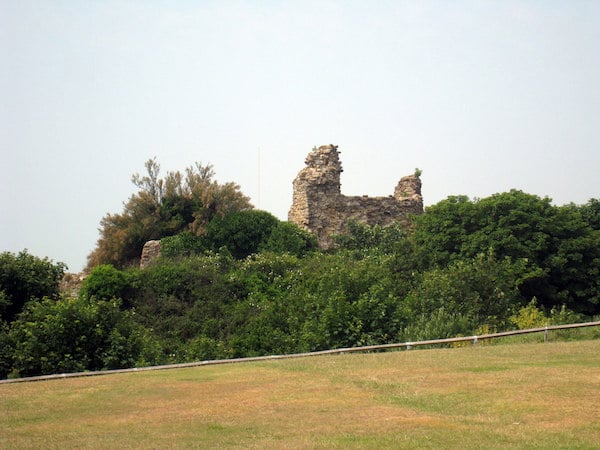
(183, 244)
(367, 238)
(561, 250)
(287, 237)
(164, 207)
(242, 232)
(24, 277)
(440, 232)
(77, 334)
(105, 282)
(475, 292)
(591, 213)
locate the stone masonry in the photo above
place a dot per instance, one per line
(150, 252)
(319, 206)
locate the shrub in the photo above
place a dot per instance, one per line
(24, 277)
(287, 237)
(105, 282)
(77, 334)
(242, 232)
(182, 244)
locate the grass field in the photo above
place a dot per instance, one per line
(502, 396)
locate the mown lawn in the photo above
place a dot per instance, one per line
(502, 396)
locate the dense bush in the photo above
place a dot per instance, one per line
(287, 237)
(561, 249)
(242, 232)
(249, 284)
(164, 207)
(77, 334)
(105, 282)
(24, 277)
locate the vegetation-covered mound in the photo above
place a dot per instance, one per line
(234, 282)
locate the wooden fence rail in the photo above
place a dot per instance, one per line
(406, 345)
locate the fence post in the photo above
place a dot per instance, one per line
(546, 334)
(474, 341)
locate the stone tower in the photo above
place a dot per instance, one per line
(319, 206)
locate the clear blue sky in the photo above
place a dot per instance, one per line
(483, 96)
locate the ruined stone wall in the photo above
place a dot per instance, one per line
(319, 206)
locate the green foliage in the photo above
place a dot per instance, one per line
(241, 232)
(439, 324)
(203, 348)
(473, 292)
(185, 243)
(287, 237)
(591, 213)
(360, 237)
(105, 282)
(531, 316)
(7, 350)
(24, 277)
(183, 299)
(234, 282)
(561, 250)
(76, 334)
(164, 207)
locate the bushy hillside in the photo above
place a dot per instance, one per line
(239, 282)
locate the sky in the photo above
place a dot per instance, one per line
(482, 96)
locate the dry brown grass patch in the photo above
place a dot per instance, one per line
(534, 396)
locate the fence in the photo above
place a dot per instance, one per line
(337, 351)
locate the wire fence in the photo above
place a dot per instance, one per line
(406, 345)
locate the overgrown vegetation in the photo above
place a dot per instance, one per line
(233, 281)
(164, 207)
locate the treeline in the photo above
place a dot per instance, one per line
(244, 284)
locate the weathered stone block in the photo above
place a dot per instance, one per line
(150, 252)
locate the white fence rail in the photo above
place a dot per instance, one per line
(406, 345)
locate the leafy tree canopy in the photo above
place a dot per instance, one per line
(164, 207)
(77, 334)
(105, 282)
(561, 250)
(242, 232)
(591, 213)
(24, 277)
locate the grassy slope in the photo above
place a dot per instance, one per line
(510, 396)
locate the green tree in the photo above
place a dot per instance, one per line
(360, 237)
(77, 334)
(184, 299)
(7, 350)
(476, 292)
(561, 250)
(105, 282)
(591, 213)
(241, 232)
(183, 244)
(24, 277)
(441, 231)
(287, 237)
(164, 207)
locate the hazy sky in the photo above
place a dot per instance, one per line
(483, 96)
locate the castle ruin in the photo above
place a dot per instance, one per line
(319, 206)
